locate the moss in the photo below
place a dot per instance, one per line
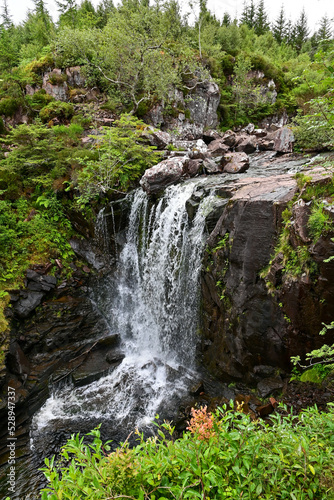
(39, 66)
(4, 328)
(57, 79)
(61, 110)
(9, 106)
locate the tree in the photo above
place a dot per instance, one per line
(226, 19)
(261, 24)
(134, 55)
(280, 27)
(300, 31)
(68, 12)
(248, 14)
(6, 16)
(324, 34)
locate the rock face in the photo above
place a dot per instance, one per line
(246, 333)
(201, 104)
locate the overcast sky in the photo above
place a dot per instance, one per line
(315, 9)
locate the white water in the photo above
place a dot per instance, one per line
(154, 310)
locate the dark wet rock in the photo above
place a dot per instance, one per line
(270, 386)
(217, 148)
(17, 362)
(274, 275)
(114, 357)
(284, 139)
(235, 163)
(197, 389)
(164, 174)
(27, 303)
(88, 250)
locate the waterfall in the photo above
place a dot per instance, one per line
(153, 306)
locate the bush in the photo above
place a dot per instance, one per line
(9, 106)
(227, 455)
(61, 110)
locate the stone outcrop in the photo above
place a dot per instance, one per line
(200, 105)
(247, 331)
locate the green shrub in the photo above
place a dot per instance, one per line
(61, 110)
(318, 221)
(226, 455)
(40, 99)
(9, 106)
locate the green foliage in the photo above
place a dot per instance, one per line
(56, 109)
(319, 221)
(30, 233)
(226, 456)
(8, 106)
(321, 360)
(38, 155)
(122, 157)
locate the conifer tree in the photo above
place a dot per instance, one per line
(300, 31)
(280, 27)
(6, 16)
(68, 11)
(248, 15)
(226, 19)
(261, 24)
(325, 30)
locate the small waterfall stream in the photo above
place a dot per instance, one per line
(153, 306)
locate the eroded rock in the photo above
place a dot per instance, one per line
(164, 174)
(235, 163)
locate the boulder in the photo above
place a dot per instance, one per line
(212, 167)
(230, 138)
(249, 129)
(164, 174)
(235, 163)
(284, 140)
(217, 148)
(194, 167)
(247, 144)
(157, 138)
(211, 135)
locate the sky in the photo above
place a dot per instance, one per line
(315, 9)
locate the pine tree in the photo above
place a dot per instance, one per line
(301, 31)
(261, 24)
(6, 16)
(226, 19)
(280, 27)
(325, 31)
(248, 14)
(68, 11)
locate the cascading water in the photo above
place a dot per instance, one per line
(153, 304)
